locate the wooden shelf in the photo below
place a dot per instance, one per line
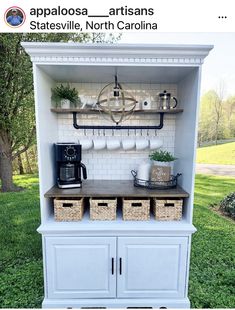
(114, 188)
(90, 111)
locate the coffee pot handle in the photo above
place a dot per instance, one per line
(176, 102)
(84, 172)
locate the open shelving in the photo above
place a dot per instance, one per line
(93, 111)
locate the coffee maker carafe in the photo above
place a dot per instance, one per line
(69, 165)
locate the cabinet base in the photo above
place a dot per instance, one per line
(116, 303)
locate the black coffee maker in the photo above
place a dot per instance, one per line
(68, 165)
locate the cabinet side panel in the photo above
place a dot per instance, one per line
(186, 135)
(46, 123)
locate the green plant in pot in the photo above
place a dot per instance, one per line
(161, 170)
(64, 96)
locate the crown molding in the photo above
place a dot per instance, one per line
(48, 53)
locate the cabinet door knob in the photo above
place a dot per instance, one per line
(112, 265)
(120, 265)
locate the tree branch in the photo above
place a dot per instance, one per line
(25, 148)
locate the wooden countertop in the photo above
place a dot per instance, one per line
(114, 188)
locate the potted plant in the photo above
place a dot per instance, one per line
(161, 170)
(65, 96)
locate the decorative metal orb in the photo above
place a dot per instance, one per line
(116, 103)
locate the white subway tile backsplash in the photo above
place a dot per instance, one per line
(117, 165)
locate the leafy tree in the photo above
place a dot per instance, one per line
(217, 116)
(229, 115)
(17, 123)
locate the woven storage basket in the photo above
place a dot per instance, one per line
(68, 209)
(135, 209)
(103, 209)
(167, 209)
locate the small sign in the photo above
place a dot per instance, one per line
(159, 173)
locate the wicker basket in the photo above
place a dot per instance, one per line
(68, 209)
(103, 209)
(136, 209)
(167, 209)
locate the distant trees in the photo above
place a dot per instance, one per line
(217, 117)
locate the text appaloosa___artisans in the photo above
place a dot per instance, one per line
(71, 25)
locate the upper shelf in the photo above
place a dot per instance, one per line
(92, 111)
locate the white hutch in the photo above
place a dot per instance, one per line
(127, 264)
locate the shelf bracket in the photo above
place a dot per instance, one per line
(117, 127)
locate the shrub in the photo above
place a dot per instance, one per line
(227, 205)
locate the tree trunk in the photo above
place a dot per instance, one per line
(29, 169)
(20, 165)
(216, 133)
(6, 163)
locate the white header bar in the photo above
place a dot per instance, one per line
(117, 16)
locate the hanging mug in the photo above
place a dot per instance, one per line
(165, 99)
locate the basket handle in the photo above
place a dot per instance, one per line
(67, 205)
(136, 204)
(102, 204)
(169, 204)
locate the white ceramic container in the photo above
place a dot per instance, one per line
(65, 103)
(143, 172)
(146, 104)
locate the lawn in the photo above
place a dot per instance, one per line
(212, 276)
(223, 154)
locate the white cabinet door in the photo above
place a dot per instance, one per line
(152, 267)
(80, 267)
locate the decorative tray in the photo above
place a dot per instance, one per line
(172, 183)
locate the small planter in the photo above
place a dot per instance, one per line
(136, 209)
(162, 166)
(65, 103)
(63, 96)
(167, 209)
(103, 209)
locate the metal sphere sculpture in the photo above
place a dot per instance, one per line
(115, 102)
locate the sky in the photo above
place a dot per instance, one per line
(218, 67)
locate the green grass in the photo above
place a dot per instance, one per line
(21, 280)
(212, 275)
(223, 154)
(212, 260)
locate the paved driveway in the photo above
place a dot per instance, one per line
(224, 170)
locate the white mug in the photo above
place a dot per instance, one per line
(113, 144)
(128, 144)
(86, 144)
(99, 144)
(155, 144)
(141, 144)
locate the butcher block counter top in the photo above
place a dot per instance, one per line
(114, 188)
